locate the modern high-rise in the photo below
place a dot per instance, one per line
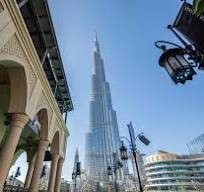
(102, 138)
(171, 172)
(196, 145)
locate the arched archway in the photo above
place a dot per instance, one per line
(13, 118)
(42, 119)
(4, 100)
(15, 178)
(13, 92)
(55, 144)
(16, 79)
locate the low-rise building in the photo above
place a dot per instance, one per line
(43, 185)
(65, 186)
(171, 172)
(14, 181)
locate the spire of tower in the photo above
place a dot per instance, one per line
(95, 36)
(77, 155)
(96, 43)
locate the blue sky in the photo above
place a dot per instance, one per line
(142, 92)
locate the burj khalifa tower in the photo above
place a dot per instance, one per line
(102, 138)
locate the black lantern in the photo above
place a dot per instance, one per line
(123, 152)
(73, 175)
(179, 61)
(177, 66)
(109, 171)
(48, 156)
(119, 165)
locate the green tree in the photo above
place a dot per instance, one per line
(198, 6)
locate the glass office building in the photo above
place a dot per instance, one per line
(196, 145)
(171, 172)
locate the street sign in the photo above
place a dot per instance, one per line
(190, 25)
(144, 140)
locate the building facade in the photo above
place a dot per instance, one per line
(103, 136)
(171, 172)
(196, 145)
(65, 186)
(141, 168)
(43, 185)
(34, 94)
(14, 182)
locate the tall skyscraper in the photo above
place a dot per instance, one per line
(76, 158)
(102, 138)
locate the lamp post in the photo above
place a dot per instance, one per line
(117, 165)
(133, 148)
(76, 172)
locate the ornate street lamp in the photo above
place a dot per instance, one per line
(75, 173)
(133, 148)
(123, 152)
(109, 171)
(179, 61)
(117, 165)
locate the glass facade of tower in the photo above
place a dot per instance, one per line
(196, 145)
(172, 172)
(102, 139)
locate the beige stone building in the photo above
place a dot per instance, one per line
(34, 95)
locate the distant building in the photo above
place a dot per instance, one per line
(15, 182)
(140, 163)
(130, 184)
(171, 172)
(44, 179)
(65, 186)
(196, 145)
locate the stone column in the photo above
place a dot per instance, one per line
(53, 171)
(18, 122)
(42, 147)
(58, 175)
(29, 173)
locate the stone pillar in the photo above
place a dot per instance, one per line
(18, 122)
(53, 172)
(42, 147)
(29, 173)
(58, 175)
